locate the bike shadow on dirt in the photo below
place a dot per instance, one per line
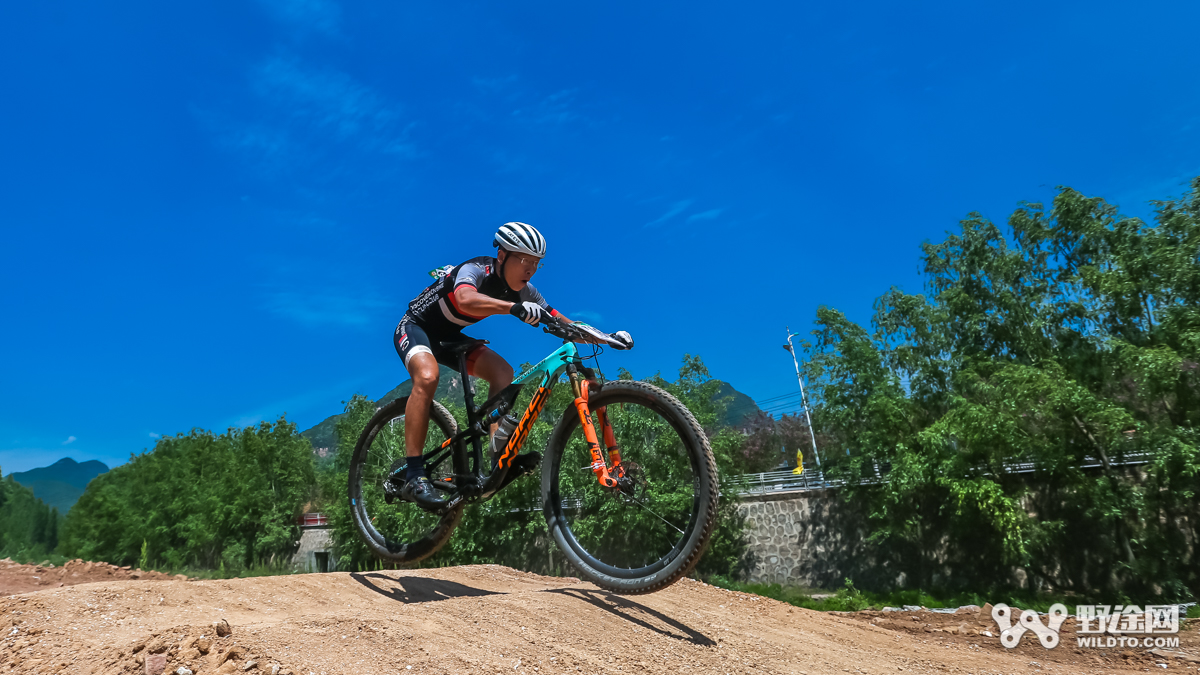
(638, 614)
(416, 589)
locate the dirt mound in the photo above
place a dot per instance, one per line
(473, 619)
(16, 578)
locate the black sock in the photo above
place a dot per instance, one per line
(415, 469)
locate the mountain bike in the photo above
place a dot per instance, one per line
(629, 484)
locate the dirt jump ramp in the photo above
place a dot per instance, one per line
(472, 619)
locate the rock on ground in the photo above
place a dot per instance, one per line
(17, 578)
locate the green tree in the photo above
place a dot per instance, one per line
(28, 528)
(198, 499)
(1071, 341)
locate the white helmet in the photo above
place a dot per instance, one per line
(520, 238)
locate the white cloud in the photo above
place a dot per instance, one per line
(676, 209)
(307, 401)
(248, 421)
(328, 100)
(586, 316)
(314, 309)
(704, 215)
(308, 113)
(70, 440)
(556, 109)
(1136, 201)
(154, 435)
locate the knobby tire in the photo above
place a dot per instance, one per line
(398, 533)
(565, 493)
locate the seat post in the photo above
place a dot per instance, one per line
(469, 396)
(468, 388)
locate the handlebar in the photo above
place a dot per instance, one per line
(580, 332)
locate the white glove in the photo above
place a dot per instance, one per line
(529, 312)
(624, 338)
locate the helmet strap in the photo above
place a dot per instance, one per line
(500, 266)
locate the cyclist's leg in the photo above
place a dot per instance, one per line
(485, 363)
(424, 371)
(413, 346)
(492, 367)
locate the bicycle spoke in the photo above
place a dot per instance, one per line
(643, 505)
(647, 534)
(393, 529)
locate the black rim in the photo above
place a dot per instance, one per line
(649, 526)
(400, 531)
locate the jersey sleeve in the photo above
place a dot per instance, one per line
(471, 274)
(530, 294)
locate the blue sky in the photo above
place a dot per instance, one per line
(214, 213)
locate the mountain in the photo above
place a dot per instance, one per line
(738, 406)
(324, 435)
(60, 484)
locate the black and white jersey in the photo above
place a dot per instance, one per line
(437, 309)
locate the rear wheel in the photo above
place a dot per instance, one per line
(400, 532)
(653, 529)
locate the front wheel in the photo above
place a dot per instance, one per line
(394, 530)
(651, 531)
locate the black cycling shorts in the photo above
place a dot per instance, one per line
(411, 338)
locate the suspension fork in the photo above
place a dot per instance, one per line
(580, 387)
(610, 441)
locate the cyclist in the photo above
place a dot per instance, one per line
(461, 296)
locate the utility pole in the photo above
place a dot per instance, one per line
(812, 433)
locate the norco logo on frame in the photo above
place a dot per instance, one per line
(1093, 619)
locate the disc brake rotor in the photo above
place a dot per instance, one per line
(632, 480)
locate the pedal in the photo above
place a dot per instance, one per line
(391, 491)
(394, 482)
(455, 501)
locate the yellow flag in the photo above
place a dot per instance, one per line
(799, 463)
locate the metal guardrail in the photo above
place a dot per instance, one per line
(784, 482)
(776, 482)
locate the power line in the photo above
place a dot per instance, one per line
(788, 395)
(762, 405)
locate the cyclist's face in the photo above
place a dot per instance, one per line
(518, 268)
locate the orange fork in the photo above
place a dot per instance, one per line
(589, 433)
(610, 440)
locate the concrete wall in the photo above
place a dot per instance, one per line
(314, 540)
(806, 539)
(815, 539)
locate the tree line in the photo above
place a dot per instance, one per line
(1068, 337)
(200, 500)
(28, 527)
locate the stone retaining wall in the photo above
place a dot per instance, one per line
(803, 539)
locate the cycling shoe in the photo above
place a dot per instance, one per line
(422, 493)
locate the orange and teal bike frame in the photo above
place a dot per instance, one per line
(564, 360)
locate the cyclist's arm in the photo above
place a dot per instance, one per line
(469, 300)
(531, 293)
